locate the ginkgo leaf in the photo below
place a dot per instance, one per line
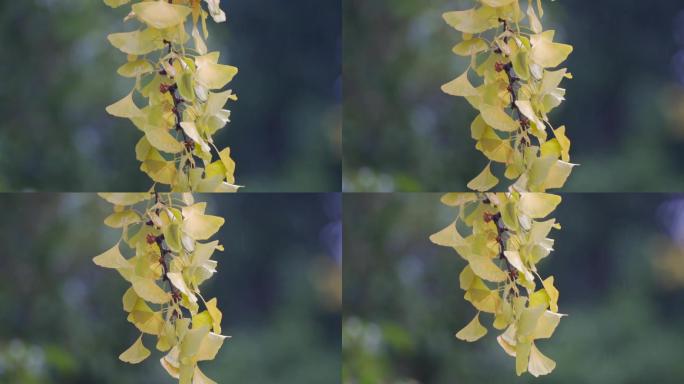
(498, 119)
(190, 129)
(112, 258)
(161, 139)
(137, 42)
(458, 199)
(538, 205)
(472, 20)
(484, 181)
(539, 364)
(198, 225)
(178, 282)
(160, 14)
(210, 346)
(470, 47)
(116, 3)
(552, 292)
(497, 3)
(473, 331)
(191, 343)
(211, 74)
(135, 68)
(203, 252)
(215, 313)
(125, 108)
(148, 290)
(215, 11)
(546, 325)
(122, 219)
(447, 237)
(514, 259)
(136, 353)
(484, 267)
(525, 107)
(460, 87)
(558, 174)
(546, 53)
(228, 163)
(522, 357)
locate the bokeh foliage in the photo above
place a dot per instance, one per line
(623, 108)
(403, 304)
(279, 285)
(59, 73)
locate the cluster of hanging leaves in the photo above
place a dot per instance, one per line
(517, 63)
(167, 236)
(502, 237)
(181, 87)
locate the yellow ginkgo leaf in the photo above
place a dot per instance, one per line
(137, 42)
(136, 353)
(199, 226)
(200, 378)
(484, 181)
(160, 14)
(215, 11)
(212, 75)
(215, 313)
(116, 3)
(135, 68)
(122, 219)
(546, 325)
(564, 143)
(484, 267)
(497, 3)
(498, 119)
(470, 47)
(522, 357)
(125, 198)
(538, 205)
(191, 343)
(210, 346)
(552, 292)
(546, 53)
(228, 164)
(125, 108)
(539, 364)
(178, 282)
(447, 237)
(460, 86)
(458, 198)
(473, 331)
(558, 174)
(148, 290)
(472, 20)
(171, 364)
(112, 258)
(190, 129)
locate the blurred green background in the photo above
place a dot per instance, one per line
(278, 285)
(624, 109)
(619, 267)
(58, 74)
